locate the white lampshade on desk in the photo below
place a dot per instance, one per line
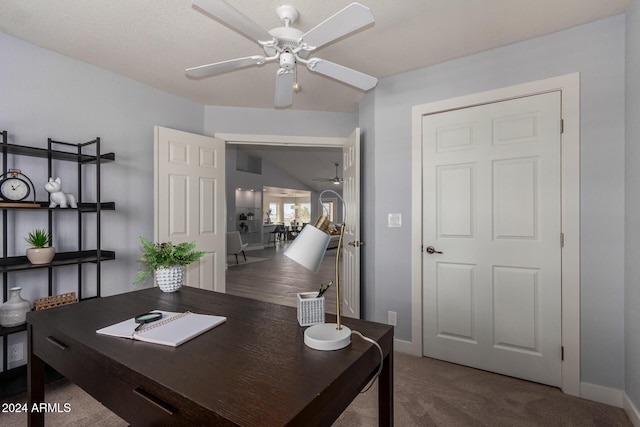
(308, 250)
(309, 247)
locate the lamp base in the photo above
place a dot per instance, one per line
(325, 337)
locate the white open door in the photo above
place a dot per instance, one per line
(189, 200)
(351, 252)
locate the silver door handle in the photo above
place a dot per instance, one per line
(432, 250)
(356, 243)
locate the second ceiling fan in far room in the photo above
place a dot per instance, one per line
(289, 46)
(335, 180)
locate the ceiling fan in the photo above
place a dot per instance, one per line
(336, 180)
(289, 46)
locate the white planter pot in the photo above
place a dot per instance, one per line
(14, 311)
(170, 279)
(40, 255)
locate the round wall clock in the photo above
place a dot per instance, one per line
(15, 186)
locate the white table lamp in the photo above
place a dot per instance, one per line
(308, 250)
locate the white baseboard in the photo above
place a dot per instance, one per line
(606, 395)
(631, 410)
(403, 346)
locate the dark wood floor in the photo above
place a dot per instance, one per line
(279, 279)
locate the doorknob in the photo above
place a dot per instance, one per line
(356, 243)
(432, 250)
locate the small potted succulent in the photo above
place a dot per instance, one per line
(168, 261)
(40, 251)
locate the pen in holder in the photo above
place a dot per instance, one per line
(310, 309)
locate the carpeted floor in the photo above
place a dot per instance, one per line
(427, 392)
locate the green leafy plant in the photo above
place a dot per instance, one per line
(38, 238)
(162, 255)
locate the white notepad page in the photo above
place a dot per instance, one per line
(172, 330)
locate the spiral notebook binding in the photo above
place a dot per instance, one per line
(165, 321)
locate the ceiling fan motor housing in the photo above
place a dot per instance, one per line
(287, 38)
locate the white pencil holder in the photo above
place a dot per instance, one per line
(310, 309)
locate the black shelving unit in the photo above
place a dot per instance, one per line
(65, 152)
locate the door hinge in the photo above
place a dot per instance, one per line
(561, 126)
(562, 353)
(562, 240)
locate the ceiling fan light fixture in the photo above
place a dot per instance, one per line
(287, 60)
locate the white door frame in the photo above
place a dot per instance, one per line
(569, 85)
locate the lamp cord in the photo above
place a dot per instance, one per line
(375, 377)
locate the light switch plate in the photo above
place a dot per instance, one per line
(395, 220)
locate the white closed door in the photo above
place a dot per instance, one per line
(189, 174)
(350, 285)
(492, 207)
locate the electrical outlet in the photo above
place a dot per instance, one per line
(393, 318)
(16, 352)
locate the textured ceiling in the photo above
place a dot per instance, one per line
(153, 41)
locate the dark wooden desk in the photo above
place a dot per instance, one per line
(253, 370)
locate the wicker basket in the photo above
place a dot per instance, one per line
(54, 301)
(310, 309)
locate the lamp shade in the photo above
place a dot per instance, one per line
(309, 247)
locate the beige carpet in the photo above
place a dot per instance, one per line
(427, 393)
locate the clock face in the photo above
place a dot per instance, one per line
(14, 189)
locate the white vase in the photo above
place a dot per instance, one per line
(41, 255)
(14, 311)
(170, 279)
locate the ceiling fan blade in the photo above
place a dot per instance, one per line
(230, 16)
(224, 66)
(323, 179)
(348, 20)
(284, 88)
(344, 74)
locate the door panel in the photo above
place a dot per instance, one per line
(491, 205)
(351, 251)
(190, 205)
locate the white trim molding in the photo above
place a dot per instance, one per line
(631, 410)
(601, 394)
(569, 86)
(281, 140)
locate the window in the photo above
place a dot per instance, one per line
(273, 207)
(289, 213)
(304, 215)
(327, 210)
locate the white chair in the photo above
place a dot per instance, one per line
(235, 245)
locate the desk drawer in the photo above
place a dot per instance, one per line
(136, 399)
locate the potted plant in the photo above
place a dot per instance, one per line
(167, 261)
(40, 251)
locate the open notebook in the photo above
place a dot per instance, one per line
(173, 329)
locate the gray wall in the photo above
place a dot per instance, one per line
(278, 122)
(632, 221)
(43, 95)
(596, 51)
